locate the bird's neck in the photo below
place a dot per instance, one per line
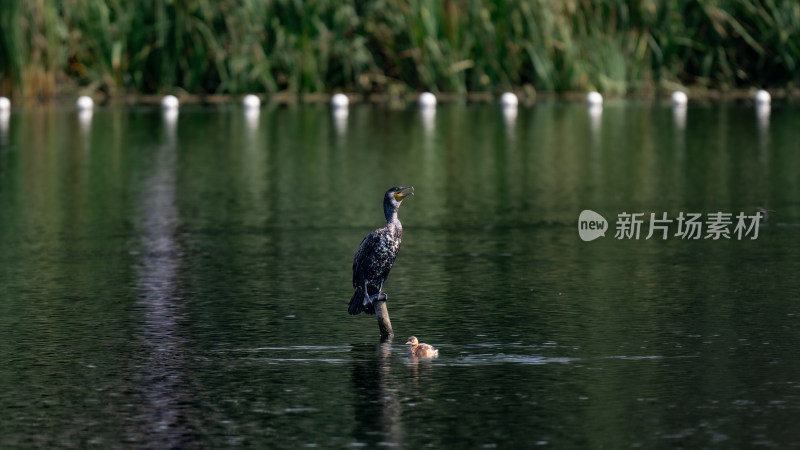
(390, 211)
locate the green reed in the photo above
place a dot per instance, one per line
(237, 46)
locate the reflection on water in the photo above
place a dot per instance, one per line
(679, 116)
(188, 287)
(162, 381)
(762, 114)
(251, 116)
(5, 118)
(428, 117)
(378, 411)
(340, 120)
(595, 119)
(510, 118)
(85, 121)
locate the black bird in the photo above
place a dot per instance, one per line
(376, 254)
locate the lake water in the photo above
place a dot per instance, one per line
(183, 282)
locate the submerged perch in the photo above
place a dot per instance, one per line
(378, 301)
(384, 324)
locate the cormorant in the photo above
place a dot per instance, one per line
(421, 350)
(375, 256)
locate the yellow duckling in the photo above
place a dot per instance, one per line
(421, 350)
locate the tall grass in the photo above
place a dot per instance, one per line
(236, 46)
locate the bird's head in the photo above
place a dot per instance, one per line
(393, 198)
(396, 194)
(413, 341)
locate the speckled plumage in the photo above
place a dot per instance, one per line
(376, 255)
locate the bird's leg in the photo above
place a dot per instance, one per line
(379, 296)
(367, 298)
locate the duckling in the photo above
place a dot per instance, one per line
(421, 350)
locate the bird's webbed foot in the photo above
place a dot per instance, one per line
(367, 298)
(379, 297)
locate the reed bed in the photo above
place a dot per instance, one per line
(56, 47)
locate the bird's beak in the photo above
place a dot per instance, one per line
(409, 343)
(402, 193)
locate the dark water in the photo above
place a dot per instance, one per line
(185, 284)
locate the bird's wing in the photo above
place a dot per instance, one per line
(364, 249)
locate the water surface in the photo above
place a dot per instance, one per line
(183, 282)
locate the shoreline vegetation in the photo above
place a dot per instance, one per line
(384, 51)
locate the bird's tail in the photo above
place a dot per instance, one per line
(357, 305)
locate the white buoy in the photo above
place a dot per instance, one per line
(251, 101)
(340, 101)
(679, 98)
(509, 100)
(85, 103)
(5, 104)
(427, 100)
(763, 97)
(170, 102)
(594, 98)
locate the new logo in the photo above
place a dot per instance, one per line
(591, 225)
